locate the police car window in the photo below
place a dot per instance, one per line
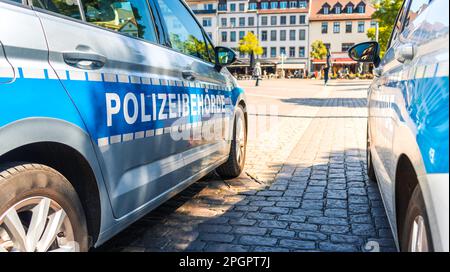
(184, 33)
(65, 7)
(130, 17)
(415, 9)
(398, 23)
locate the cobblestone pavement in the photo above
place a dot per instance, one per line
(305, 186)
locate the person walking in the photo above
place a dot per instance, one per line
(327, 67)
(257, 73)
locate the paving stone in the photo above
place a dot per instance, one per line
(273, 224)
(312, 204)
(288, 204)
(216, 237)
(326, 246)
(336, 213)
(220, 247)
(214, 228)
(363, 229)
(303, 226)
(358, 208)
(257, 240)
(297, 244)
(262, 203)
(313, 236)
(269, 193)
(357, 191)
(334, 229)
(327, 221)
(361, 218)
(242, 222)
(336, 204)
(282, 233)
(348, 239)
(270, 249)
(275, 210)
(250, 230)
(313, 196)
(292, 218)
(336, 194)
(260, 216)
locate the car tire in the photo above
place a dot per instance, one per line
(234, 166)
(39, 210)
(370, 168)
(415, 219)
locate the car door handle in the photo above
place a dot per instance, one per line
(404, 52)
(83, 60)
(189, 75)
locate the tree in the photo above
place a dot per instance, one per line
(318, 50)
(385, 14)
(250, 45)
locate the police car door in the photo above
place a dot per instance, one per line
(208, 92)
(122, 82)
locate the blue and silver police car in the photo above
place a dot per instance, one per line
(408, 124)
(108, 108)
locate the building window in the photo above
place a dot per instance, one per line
(273, 52)
(273, 35)
(241, 35)
(232, 36)
(282, 20)
(283, 5)
(233, 22)
(292, 52)
(283, 51)
(326, 10)
(324, 27)
(293, 4)
(346, 46)
(361, 8)
(223, 22)
(264, 35)
(301, 52)
(360, 27)
(302, 4)
(207, 22)
(302, 19)
(265, 5)
(222, 7)
(273, 20)
(232, 7)
(348, 27)
(273, 5)
(264, 54)
(337, 10)
(251, 21)
(301, 34)
(293, 20)
(292, 34)
(350, 9)
(264, 20)
(208, 6)
(252, 6)
(224, 36)
(242, 21)
(242, 7)
(336, 27)
(373, 24)
(282, 35)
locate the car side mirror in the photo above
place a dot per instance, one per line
(224, 56)
(366, 52)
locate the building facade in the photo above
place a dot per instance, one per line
(281, 26)
(339, 24)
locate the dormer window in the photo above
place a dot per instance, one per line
(337, 10)
(273, 5)
(326, 10)
(349, 9)
(293, 4)
(361, 8)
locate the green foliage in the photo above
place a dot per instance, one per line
(318, 50)
(385, 14)
(250, 45)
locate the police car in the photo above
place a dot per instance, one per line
(108, 109)
(408, 124)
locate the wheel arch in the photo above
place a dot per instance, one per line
(68, 149)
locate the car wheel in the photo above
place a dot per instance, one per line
(234, 166)
(39, 211)
(370, 169)
(416, 231)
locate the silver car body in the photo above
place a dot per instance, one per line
(136, 162)
(408, 114)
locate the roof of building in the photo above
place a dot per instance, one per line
(316, 8)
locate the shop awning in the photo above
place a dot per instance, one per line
(292, 66)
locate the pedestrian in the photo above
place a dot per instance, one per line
(326, 70)
(257, 73)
